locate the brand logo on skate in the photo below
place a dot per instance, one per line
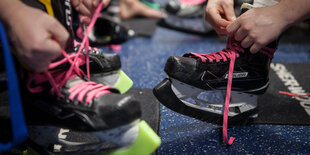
(238, 75)
(292, 85)
(57, 147)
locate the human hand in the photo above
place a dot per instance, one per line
(37, 37)
(220, 13)
(87, 8)
(258, 27)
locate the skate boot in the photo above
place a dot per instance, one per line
(105, 68)
(233, 68)
(107, 31)
(66, 101)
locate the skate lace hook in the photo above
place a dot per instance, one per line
(85, 43)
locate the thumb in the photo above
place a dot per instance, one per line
(230, 14)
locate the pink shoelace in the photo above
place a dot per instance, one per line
(231, 51)
(293, 94)
(58, 79)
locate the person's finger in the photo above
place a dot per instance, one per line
(85, 20)
(247, 42)
(215, 19)
(221, 31)
(96, 2)
(240, 34)
(233, 27)
(82, 9)
(39, 66)
(52, 49)
(229, 12)
(256, 47)
(105, 3)
(88, 4)
(58, 32)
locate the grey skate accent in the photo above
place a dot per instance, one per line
(240, 102)
(74, 81)
(60, 140)
(110, 78)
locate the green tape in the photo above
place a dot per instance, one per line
(124, 83)
(146, 143)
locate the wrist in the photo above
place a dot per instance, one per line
(294, 11)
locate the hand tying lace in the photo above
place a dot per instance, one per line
(58, 79)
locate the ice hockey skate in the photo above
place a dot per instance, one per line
(107, 30)
(193, 74)
(105, 68)
(64, 99)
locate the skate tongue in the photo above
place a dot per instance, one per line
(74, 81)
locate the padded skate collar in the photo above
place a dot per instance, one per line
(275, 108)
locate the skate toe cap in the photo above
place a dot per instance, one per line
(117, 110)
(181, 68)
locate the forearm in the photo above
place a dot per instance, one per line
(294, 10)
(8, 9)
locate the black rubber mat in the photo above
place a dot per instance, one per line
(144, 27)
(150, 106)
(276, 108)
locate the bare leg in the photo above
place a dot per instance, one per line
(131, 8)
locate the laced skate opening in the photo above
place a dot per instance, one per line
(58, 79)
(223, 55)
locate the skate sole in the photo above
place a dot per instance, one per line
(166, 96)
(146, 142)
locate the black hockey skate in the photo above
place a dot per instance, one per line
(62, 99)
(107, 31)
(104, 68)
(195, 73)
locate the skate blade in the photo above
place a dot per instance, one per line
(175, 94)
(116, 79)
(145, 142)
